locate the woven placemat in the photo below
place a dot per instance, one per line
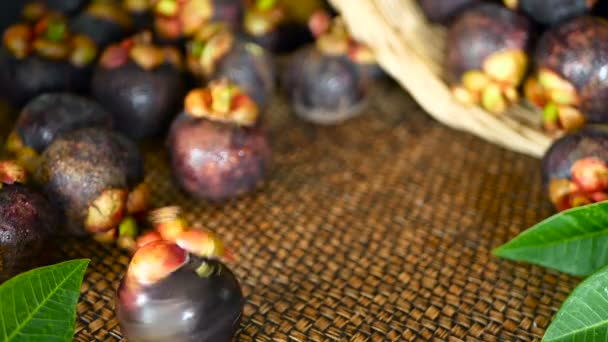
(377, 230)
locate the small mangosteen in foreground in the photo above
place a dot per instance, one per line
(216, 53)
(575, 169)
(442, 11)
(175, 20)
(27, 222)
(218, 149)
(43, 57)
(140, 84)
(487, 56)
(178, 289)
(49, 116)
(328, 83)
(94, 177)
(570, 82)
(104, 21)
(550, 12)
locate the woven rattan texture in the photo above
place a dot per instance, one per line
(377, 230)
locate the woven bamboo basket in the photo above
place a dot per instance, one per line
(411, 50)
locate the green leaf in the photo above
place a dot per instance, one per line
(40, 305)
(584, 315)
(573, 241)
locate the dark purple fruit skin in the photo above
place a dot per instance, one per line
(549, 12)
(442, 11)
(77, 167)
(49, 116)
(230, 12)
(68, 7)
(558, 160)
(316, 81)
(578, 51)
(217, 161)
(27, 222)
(254, 72)
(481, 31)
(22, 80)
(286, 38)
(215, 302)
(102, 31)
(142, 101)
(142, 20)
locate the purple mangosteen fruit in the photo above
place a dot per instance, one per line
(141, 14)
(570, 82)
(27, 222)
(328, 83)
(266, 24)
(140, 84)
(104, 21)
(49, 116)
(94, 177)
(217, 148)
(44, 57)
(575, 169)
(487, 56)
(216, 53)
(177, 288)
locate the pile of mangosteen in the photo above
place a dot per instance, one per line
(553, 53)
(91, 80)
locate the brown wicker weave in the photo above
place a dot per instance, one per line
(376, 230)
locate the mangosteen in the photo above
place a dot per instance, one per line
(217, 147)
(104, 21)
(178, 289)
(570, 82)
(140, 84)
(326, 83)
(329, 31)
(487, 56)
(43, 57)
(49, 116)
(178, 19)
(443, 11)
(265, 23)
(140, 12)
(551, 12)
(216, 53)
(94, 177)
(27, 222)
(575, 169)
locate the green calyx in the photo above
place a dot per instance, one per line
(128, 227)
(197, 48)
(56, 31)
(205, 270)
(551, 113)
(265, 5)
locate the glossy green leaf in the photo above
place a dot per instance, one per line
(584, 315)
(573, 241)
(40, 305)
